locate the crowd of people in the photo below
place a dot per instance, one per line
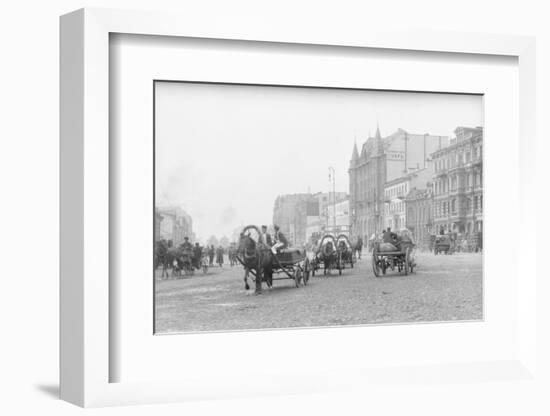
(188, 255)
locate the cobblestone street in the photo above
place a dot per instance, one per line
(443, 288)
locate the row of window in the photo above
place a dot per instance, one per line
(446, 208)
(452, 183)
(397, 190)
(459, 158)
(395, 207)
(424, 215)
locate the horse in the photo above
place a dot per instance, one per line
(258, 260)
(329, 257)
(162, 258)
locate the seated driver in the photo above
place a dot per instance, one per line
(280, 240)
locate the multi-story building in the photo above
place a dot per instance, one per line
(290, 214)
(419, 220)
(396, 191)
(302, 215)
(175, 225)
(338, 215)
(158, 220)
(458, 183)
(382, 160)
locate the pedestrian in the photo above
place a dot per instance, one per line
(219, 256)
(197, 254)
(211, 252)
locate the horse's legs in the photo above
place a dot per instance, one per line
(269, 278)
(258, 281)
(246, 286)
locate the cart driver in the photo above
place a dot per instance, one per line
(389, 237)
(266, 237)
(280, 240)
(186, 245)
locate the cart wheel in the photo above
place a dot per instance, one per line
(307, 267)
(375, 267)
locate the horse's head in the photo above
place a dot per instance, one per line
(246, 243)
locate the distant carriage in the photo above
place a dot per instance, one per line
(443, 244)
(183, 261)
(259, 261)
(232, 255)
(327, 256)
(386, 256)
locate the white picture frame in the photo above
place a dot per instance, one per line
(85, 204)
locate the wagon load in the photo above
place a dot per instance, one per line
(386, 247)
(291, 255)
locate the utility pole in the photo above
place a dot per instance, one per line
(332, 176)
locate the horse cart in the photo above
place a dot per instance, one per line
(264, 266)
(183, 262)
(327, 255)
(346, 252)
(443, 244)
(389, 256)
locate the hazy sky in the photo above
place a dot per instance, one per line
(224, 152)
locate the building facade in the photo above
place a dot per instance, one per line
(158, 220)
(302, 216)
(383, 160)
(175, 225)
(458, 183)
(395, 194)
(338, 215)
(419, 219)
(290, 213)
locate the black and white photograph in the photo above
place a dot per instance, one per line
(296, 207)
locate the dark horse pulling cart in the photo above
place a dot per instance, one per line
(258, 260)
(346, 252)
(327, 255)
(388, 256)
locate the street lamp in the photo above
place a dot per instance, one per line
(332, 176)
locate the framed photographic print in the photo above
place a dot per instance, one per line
(236, 206)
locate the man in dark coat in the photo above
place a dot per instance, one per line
(211, 252)
(197, 254)
(389, 237)
(219, 256)
(186, 245)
